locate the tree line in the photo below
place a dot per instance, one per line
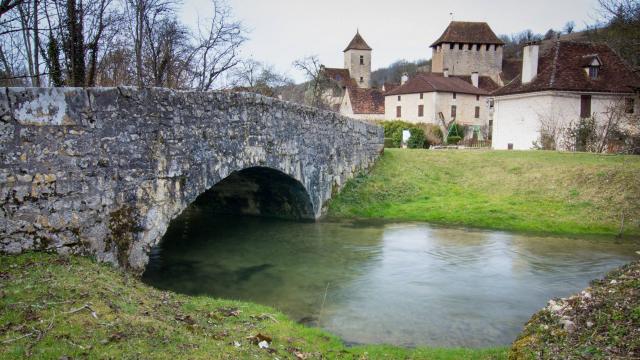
(124, 42)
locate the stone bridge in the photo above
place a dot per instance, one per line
(102, 172)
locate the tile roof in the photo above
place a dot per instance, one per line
(466, 32)
(341, 76)
(390, 86)
(562, 67)
(357, 43)
(484, 82)
(366, 101)
(430, 82)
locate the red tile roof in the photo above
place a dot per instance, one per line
(357, 43)
(390, 86)
(466, 32)
(430, 82)
(366, 101)
(484, 82)
(341, 76)
(562, 67)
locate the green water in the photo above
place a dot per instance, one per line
(404, 284)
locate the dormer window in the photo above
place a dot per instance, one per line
(592, 64)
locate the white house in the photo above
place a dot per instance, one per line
(427, 97)
(561, 82)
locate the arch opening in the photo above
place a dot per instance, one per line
(259, 191)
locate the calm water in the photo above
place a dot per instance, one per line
(404, 284)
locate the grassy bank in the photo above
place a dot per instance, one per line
(533, 191)
(70, 307)
(601, 322)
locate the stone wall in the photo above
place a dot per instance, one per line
(103, 171)
(465, 61)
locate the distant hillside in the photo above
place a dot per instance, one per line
(393, 72)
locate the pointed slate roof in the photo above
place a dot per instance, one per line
(466, 32)
(357, 43)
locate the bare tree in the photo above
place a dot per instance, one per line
(569, 26)
(316, 80)
(217, 46)
(620, 28)
(254, 76)
(8, 5)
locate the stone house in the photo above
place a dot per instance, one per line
(560, 83)
(348, 89)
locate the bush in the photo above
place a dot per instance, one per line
(432, 134)
(393, 134)
(453, 139)
(388, 143)
(417, 138)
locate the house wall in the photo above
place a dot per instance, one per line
(519, 118)
(352, 62)
(465, 61)
(346, 109)
(435, 102)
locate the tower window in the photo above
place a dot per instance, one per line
(478, 47)
(455, 96)
(460, 46)
(477, 97)
(422, 96)
(361, 60)
(361, 79)
(399, 97)
(488, 47)
(451, 46)
(470, 46)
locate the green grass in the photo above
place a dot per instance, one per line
(531, 191)
(52, 307)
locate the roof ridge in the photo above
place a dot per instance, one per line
(554, 65)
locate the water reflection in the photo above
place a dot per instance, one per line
(405, 284)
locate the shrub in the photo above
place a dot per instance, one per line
(453, 139)
(388, 143)
(417, 138)
(432, 133)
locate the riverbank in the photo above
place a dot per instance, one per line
(601, 322)
(72, 307)
(531, 191)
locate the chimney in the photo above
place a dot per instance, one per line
(446, 72)
(474, 78)
(530, 62)
(404, 78)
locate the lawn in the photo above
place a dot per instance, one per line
(54, 307)
(530, 191)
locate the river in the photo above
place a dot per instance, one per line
(369, 282)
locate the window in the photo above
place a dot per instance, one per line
(398, 111)
(399, 97)
(361, 79)
(629, 105)
(451, 46)
(460, 46)
(470, 46)
(593, 72)
(455, 96)
(453, 111)
(420, 110)
(477, 112)
(490, 123)
(488, 47)
(478, 47)
(361, 60)
(477, 97)
(422, 96)
(585, 106)
(491, 104)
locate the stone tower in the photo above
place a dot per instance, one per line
(468, 47)
(357, 59)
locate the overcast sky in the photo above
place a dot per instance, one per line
(284, 30)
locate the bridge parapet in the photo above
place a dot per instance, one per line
(103, 171)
